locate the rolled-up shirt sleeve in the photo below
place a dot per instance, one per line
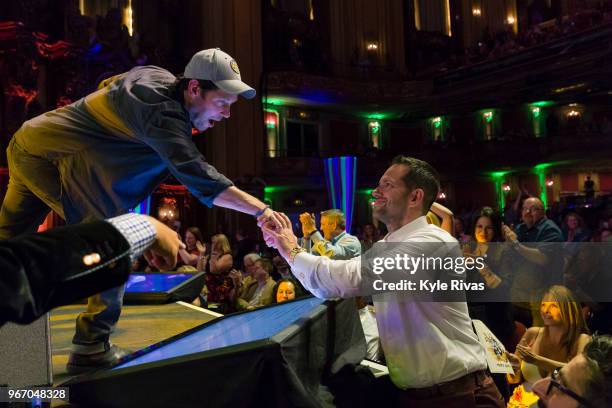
(168, 132)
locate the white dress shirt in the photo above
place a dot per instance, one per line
(425, 343)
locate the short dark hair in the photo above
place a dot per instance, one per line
(598, 381)
(421, 175)
(205, 85)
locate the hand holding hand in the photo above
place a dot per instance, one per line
(269, 217)
(281, 238)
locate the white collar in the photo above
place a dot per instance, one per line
(406, 230)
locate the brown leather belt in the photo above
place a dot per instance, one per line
(468, 382)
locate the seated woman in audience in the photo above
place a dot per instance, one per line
(219, 286)
(573, 228)
(544, 349)
(260, 292)
(286, 289)
(488, 305)
(485, 305)
(194, 247)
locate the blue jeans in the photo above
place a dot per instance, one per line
(34, 188)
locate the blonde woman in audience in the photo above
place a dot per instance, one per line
(544, 349)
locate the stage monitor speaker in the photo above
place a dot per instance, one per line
(271, 356)
(25, 354)
(157, 288)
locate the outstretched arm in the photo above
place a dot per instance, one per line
(236, 199)
(41, 271)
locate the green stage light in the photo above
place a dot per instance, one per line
(542, 104)
(273, 101)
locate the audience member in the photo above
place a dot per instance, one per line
(489, 305)
(574, 229)
(194, 247)
(496, 275)
(544, 349)
(286, 289)
(244, 277)
(260, 292)
(220, 290)
(585, 381)
(539, 265)
(335, 243)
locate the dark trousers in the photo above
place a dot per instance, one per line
(472, 391)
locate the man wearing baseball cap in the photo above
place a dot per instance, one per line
(105, 153)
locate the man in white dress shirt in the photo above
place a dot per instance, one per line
(432, 352)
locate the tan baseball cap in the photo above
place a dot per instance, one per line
(221, 69)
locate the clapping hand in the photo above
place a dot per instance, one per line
(525, 354)
(236, 277)
(508, 234)
(308, 224)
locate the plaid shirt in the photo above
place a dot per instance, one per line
(137, 230)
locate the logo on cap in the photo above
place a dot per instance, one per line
(234, 67)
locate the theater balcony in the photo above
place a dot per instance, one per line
(548, 102)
